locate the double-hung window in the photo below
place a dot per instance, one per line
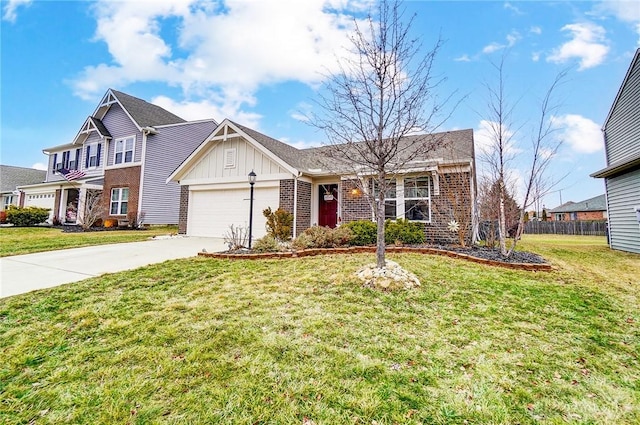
(124, 150)
(390, 201)
(93, 155)
(119, 200)
(417, 198)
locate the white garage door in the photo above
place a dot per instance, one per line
(41, 200)
(211, 212)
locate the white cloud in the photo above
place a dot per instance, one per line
(580, 133)
(40, 166)
(485, 137)
(512, 8)
(206, 109)
(535, 56)
(588, 44)
(535, 30)
(625, 10)
(511, 39)
(11, 7)
(302, 113)
(463, 58)
(223, 52)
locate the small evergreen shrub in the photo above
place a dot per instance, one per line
(403, 231)
(323, 237)
(279, 223)
(29, 216)
(364, 232)
(266, 243)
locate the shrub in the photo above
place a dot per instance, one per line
(403, 231)
(29, 216)
(279, 223)
(266, 243)
(236, 237)
(364, 232)
(323, 237)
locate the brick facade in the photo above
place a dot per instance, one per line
(354, 204)
(286, 195)
(580, 216)
(128, 177)
(453, 203)
(303, 219)
(184, 208)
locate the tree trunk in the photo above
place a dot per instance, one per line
(380, 248)
(502, 222)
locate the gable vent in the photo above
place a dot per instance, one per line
(229, 158)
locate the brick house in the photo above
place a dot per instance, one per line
(592, 209)
(215, 190)
(125, 149)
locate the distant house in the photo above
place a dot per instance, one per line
(622, 173)
(13, 177)
(126, 149)
(592, 209)
(215, 192)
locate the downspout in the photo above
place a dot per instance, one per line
(145, 132)
(295, 205)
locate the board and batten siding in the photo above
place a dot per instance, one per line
(622, 130)
(247, 158)
(623, 195)
(120, 125)
(164, 153)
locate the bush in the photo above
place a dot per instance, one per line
(364, 232)
(29, 216)
(279, 223)
(266, 243)
(323, 237)
(403, 231)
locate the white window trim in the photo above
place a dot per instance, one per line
(400, 199)
(119, 201)
(124, 150)
(93, 153)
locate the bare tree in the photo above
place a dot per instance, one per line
(500, 153)
(379, 95)
(93, 208)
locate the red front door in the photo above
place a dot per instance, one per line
(328, 205)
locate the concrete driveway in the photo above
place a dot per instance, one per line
(24, 273)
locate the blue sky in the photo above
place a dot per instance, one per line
(261, 63)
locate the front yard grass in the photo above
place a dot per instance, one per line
(27, 240)
(299, 341)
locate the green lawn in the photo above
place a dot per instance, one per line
(26, 240)
(299, 341)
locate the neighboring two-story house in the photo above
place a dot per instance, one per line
(126, 149)
(622, 173)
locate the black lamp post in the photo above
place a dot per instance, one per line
(252, 181)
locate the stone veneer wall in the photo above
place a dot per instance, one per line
(184, 209)
(122, 177)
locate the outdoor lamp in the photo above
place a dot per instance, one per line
(252, 181)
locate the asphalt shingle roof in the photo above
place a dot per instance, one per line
(597, 203)
(12, 177)
(452, 146)
(100, 126)
(144, 113)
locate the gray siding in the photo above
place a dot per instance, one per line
(622, 130)
(165, 152)
(623, 194)
(120, 125)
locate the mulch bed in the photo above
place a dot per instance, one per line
(519, 260)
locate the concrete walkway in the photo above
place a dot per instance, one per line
(24, 273)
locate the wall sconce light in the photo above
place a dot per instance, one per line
(355, 192)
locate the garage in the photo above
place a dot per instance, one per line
(41, 200)
(211, 212)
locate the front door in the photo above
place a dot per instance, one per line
(328, 205)
(71, 210)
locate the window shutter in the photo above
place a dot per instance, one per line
(86, 161)
(98, 154)
(77, 159)
(55, 160)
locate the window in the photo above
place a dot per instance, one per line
(93, 155)
(119, 201)
(390, 203)
(124, 150)
(8, 200)
(417, 199)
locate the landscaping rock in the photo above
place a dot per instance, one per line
(389, 278)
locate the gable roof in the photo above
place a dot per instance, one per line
(102, 130)
(143, 113)
(597, 203)
(636, 58)
(12, 177)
